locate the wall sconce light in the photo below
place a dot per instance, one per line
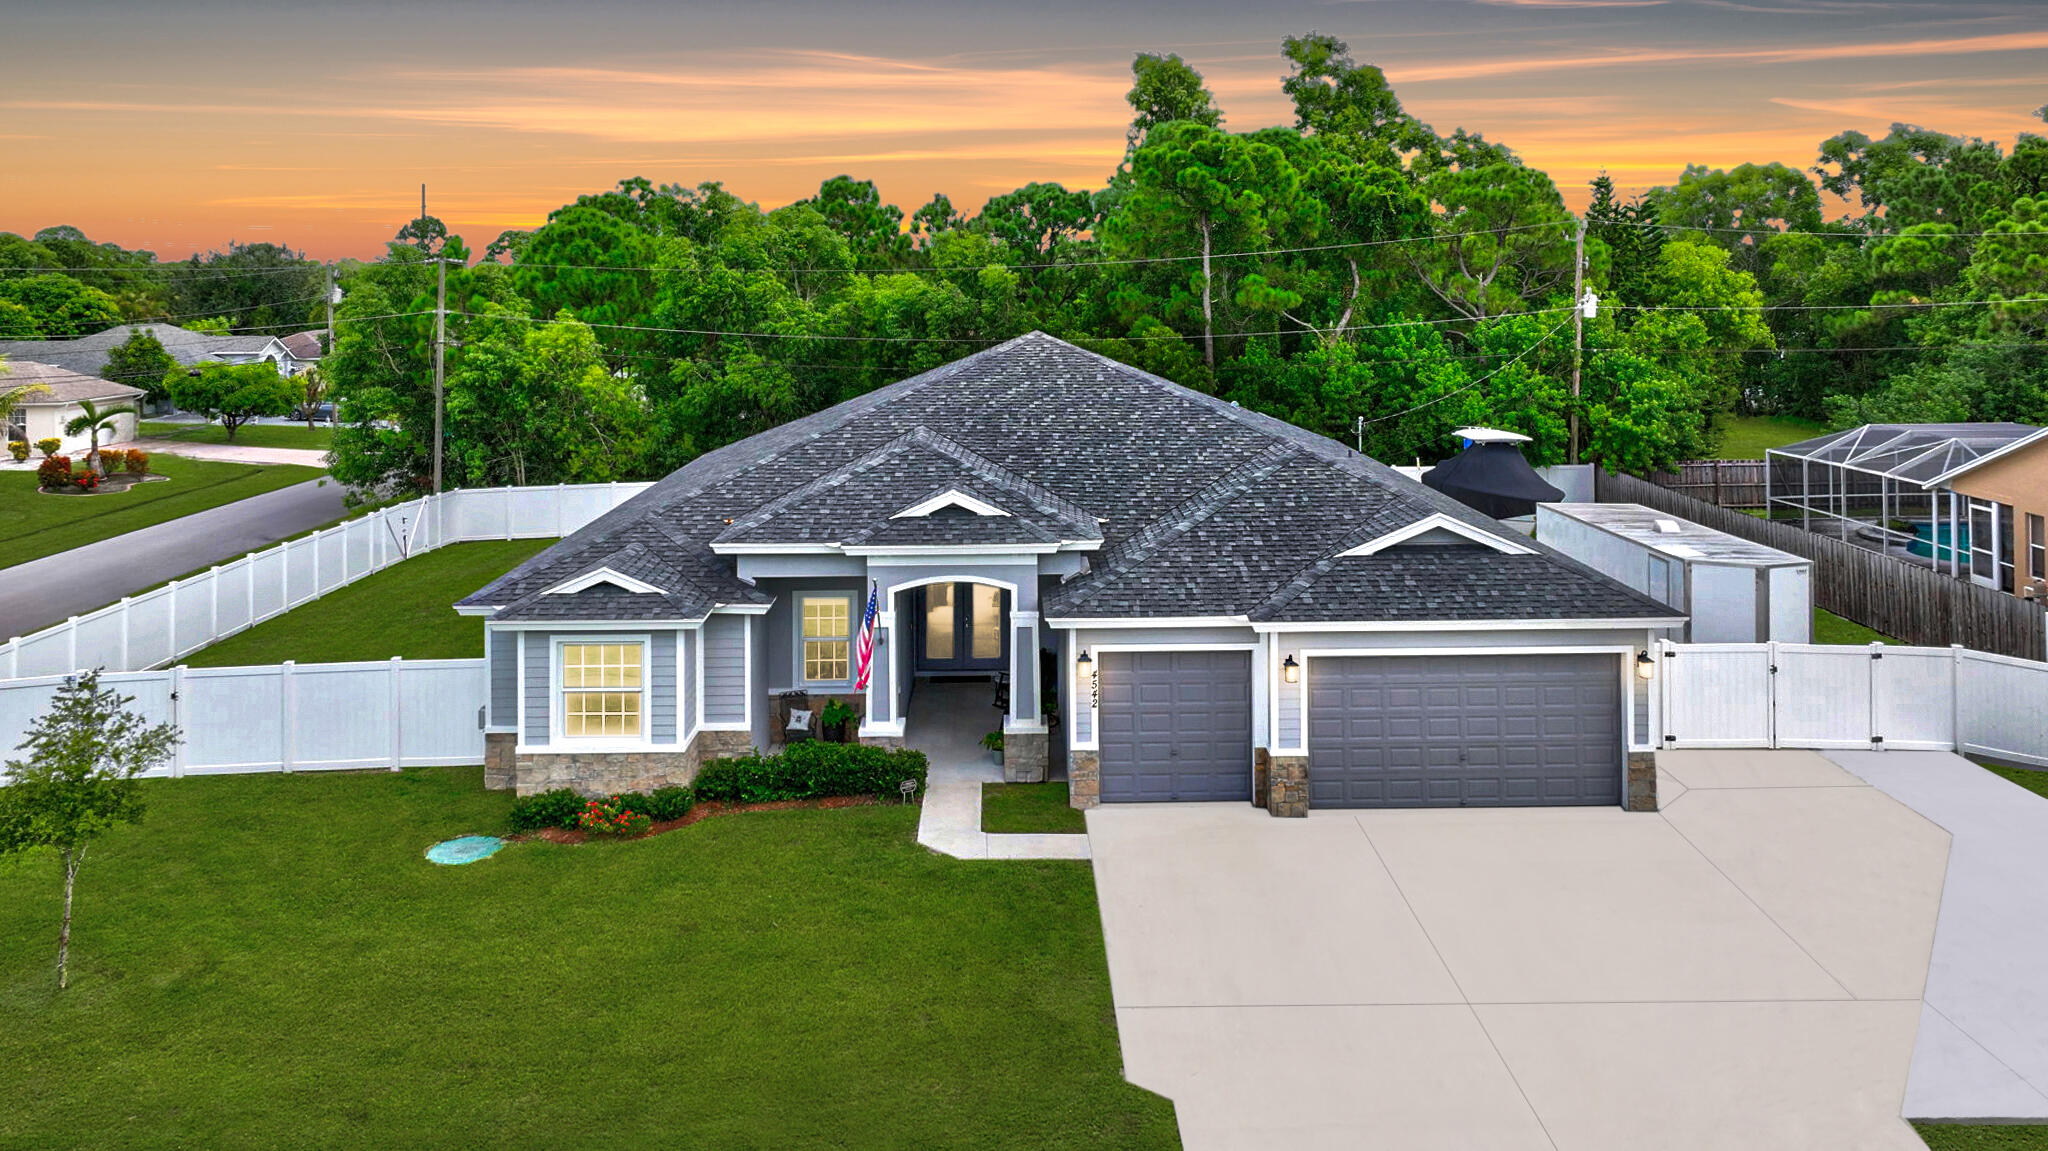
(1645, 666)
(1083, 664)
(1290, 670)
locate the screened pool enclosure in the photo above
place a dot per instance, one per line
(1885, 487)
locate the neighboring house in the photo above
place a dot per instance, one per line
(304, 350)
(1970, 500)
(1217, 591)
(88, 354)
(42, 415)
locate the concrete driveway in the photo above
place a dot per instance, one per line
(1741, 970)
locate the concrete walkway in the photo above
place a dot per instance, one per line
(46, 591)
(1983, 1047)
(947, 721)
(230, 453)
(1742, 970)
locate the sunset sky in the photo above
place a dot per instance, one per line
(181, 124)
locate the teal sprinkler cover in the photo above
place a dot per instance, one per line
(467, 849)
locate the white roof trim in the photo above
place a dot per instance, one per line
(950, 498)
(1986, 458)
(1438, 522)
(603, 575)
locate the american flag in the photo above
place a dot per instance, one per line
(864, 648)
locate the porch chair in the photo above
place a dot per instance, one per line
(799, 721)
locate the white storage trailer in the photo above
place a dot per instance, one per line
(1733, 590)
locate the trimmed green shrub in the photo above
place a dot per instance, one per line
(810, 770)
(557, 808)
(664, 803)
(613, 815)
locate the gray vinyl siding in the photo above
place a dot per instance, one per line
(686, 687)
(661, 679)
(725, 669)
(1290, 714)
(504, 662)
(538, 654)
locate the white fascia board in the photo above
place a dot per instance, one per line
(745, 549)
(1150, 621)
(476, 609)
(1438, 521)
(1472, 624)
(1986, 458)
(617, 579)
(940, 554)
(570, 625)
(950, 498)
(741, 608)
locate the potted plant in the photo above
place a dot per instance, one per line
(993, 741)
(833, 718)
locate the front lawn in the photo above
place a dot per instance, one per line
(2034, 779)
(320, 437)
(1831, 628)
(405, 610)
(267, 961)
(1748, 437)
(1028, 807)
(1984, 1137)
(33, 525)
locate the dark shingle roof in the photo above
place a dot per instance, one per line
(1200, 507)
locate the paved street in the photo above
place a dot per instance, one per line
(37, 594)
(1741, 970)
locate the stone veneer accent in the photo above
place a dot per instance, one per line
(1639, 792)
(1287, 787)
(500, 770)
(1025, 757)
(607, 772)
(1084, 778)
(885, 742)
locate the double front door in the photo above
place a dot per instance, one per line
(961, 627)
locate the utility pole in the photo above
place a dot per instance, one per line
(440, 348)
(331, 291)
(1578, 329)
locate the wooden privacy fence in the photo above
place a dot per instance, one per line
(161, 626)
(1723, 483)
(1913, 604)
(1879, 697)
(295, 717)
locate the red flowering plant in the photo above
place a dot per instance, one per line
(86, 481)
(612, 816)
(54, 473)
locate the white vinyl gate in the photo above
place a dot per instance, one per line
(1880, 696)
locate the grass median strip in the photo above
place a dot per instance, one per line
(268, 961)
(317, 438)
(34, 525)
(1028, 807)
(405, 610)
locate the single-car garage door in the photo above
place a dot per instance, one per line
(1176, 725)
(1464, 731)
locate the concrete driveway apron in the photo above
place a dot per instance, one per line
(1741, 970)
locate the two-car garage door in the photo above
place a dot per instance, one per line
(1458, 731)
(1503, 730)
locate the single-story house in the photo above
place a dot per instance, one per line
(1969, 500)
(87, 355)
(304, 350)
(43, 415)
(1178, 599)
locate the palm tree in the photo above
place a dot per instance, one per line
(95, 419)
(12, 398)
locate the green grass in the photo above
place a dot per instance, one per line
(405, 610)
(1028, 807)
(267, 961)
(1985, 1137)
(246, 436)
(1748, 437)
(33, 525)
(2033, 779)
(1831, 628)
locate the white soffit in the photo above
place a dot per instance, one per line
(603, 575)
(1438, 522)
(951, 498)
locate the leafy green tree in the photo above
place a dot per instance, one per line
(1349, 105)
(1742, 206)
(17, 322)
(140, 361)
(211, 325)
(266, 289)
(1165, 90)
(427, 234)
(78, 781)
(61, 307)
(872, 229)
(1504, 239)
(2010, 268)
(234, 394)
(1032, 222)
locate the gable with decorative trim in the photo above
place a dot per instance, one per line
(1435, 530)
(950, 498)
(604, 576)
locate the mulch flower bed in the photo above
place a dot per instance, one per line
(118, 482)
(699, 813)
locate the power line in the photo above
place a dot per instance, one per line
(1764, 228)
(1363, 423)
(1828, 307)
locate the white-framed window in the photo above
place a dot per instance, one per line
(825, 630)
(17, 425)
(604, 689)
(2037, 547)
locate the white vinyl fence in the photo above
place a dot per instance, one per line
(158, 627)
(1880, 696)
(295, 717)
